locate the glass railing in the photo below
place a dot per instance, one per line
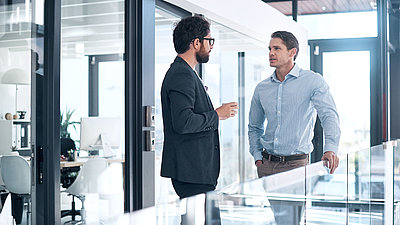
(365, 189)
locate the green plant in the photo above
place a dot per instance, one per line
(65, 123)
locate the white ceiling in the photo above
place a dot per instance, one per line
(90, 27)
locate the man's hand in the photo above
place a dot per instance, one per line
(259, 163)
(332, 159)
(227, 110)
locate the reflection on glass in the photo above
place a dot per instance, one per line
(345, 197)
(92, 84)
(17, 50)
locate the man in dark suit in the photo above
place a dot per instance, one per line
(191, 152)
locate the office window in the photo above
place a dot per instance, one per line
(340, 25)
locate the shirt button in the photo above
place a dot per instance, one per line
(276, 139)
(279, 112)
(279, 126)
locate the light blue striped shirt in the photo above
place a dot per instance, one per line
(290, 109)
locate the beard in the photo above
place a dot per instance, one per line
(202, 56)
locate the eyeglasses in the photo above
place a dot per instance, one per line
(211, 41)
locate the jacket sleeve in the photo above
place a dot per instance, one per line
(181, 93)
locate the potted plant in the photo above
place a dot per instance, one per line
(66, 122)
(68, 149)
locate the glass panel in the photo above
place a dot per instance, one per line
(326, 193)
(221, 77)
(256, 70)
(396, 180)
(276, 199)
(247, 203)
(164, 56)
(341, 71)
(92, 44)
(21, 36)
(377, 185)
(352, 195)
(358, 178)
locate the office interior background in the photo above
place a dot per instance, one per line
(64, 61)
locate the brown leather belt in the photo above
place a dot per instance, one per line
(277, 158)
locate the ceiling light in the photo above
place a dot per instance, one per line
(373, 4)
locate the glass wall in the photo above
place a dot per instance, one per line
(306, 195)
(92, 109)
(164, 56)
(221, 76)
(21, 26)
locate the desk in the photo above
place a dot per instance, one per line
(81, 161)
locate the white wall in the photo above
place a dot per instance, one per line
(251, 17)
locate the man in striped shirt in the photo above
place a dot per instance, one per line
(289, 101)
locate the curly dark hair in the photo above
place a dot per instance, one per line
(187, 30)
(289, 40)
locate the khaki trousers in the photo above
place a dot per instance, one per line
(285, 212)
(271, 167)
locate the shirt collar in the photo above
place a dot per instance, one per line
(179, 59)
(295, 72)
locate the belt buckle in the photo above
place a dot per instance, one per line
(281, 158)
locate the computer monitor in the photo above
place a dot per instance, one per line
(100, 133)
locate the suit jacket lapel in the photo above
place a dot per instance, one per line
(204, 91)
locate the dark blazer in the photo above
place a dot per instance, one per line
(191, 144)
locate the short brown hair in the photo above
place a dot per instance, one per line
(289, 40)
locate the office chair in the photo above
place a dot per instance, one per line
(88, 181)
(68, 174)
(16, 174)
